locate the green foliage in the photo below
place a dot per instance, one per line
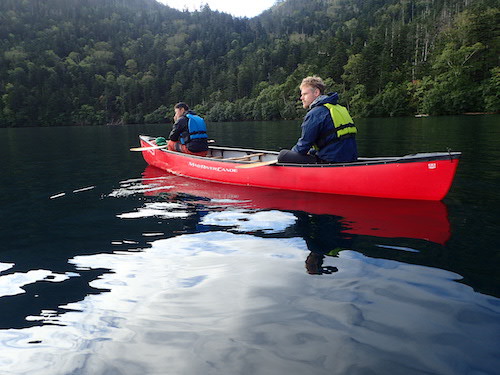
(392, 101)
(87, 115)
(491, 89)
(94, 62)
(158, 116)
(358, 101)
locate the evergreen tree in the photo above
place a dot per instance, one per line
(89, 62)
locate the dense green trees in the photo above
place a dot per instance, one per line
(128, 61)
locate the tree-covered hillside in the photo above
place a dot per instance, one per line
(68, 62)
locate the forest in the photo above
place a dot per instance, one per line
(92, 62)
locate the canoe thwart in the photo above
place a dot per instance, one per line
(245, 157)
(258, 164)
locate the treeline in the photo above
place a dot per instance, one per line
(87, 62)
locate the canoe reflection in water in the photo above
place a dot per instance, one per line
(342, 216)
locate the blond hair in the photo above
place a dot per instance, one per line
(314, 82)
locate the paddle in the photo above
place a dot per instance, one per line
(259, 164)
(147, 148)
(157, 147)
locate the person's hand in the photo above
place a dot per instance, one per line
(312, 151)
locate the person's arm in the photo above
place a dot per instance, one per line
(310, 128)
(177, 129)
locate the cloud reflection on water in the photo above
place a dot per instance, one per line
(247, 221)
(165, 210)
(12, 284)
(225, 303)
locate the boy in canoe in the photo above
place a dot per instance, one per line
(328, 132)
(189, 133)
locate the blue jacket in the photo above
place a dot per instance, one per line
(316, 124)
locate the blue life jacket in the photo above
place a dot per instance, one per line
(197, 128)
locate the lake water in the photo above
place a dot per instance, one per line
(110, 267)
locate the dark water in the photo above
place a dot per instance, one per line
(109, 267)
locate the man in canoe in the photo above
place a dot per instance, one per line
(189, 133)
(328, 132)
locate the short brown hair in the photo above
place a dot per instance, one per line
(182, 105)
(315, 82)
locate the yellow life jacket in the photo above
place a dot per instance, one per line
(341, 119)
(343, 126)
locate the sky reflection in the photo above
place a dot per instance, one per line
(230, 303)
(12, 284)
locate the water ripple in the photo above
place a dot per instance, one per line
(227, 303)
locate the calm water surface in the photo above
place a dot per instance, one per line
(111, 267)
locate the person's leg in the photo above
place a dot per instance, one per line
(186, 150)
(287, 156)
(179, 147)
(174, 146)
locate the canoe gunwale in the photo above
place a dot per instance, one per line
(362, 161)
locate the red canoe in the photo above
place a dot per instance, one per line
(423, 176)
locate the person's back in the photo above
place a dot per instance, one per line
(197, 133)
(335, 140)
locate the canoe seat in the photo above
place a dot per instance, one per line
(246, 157)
